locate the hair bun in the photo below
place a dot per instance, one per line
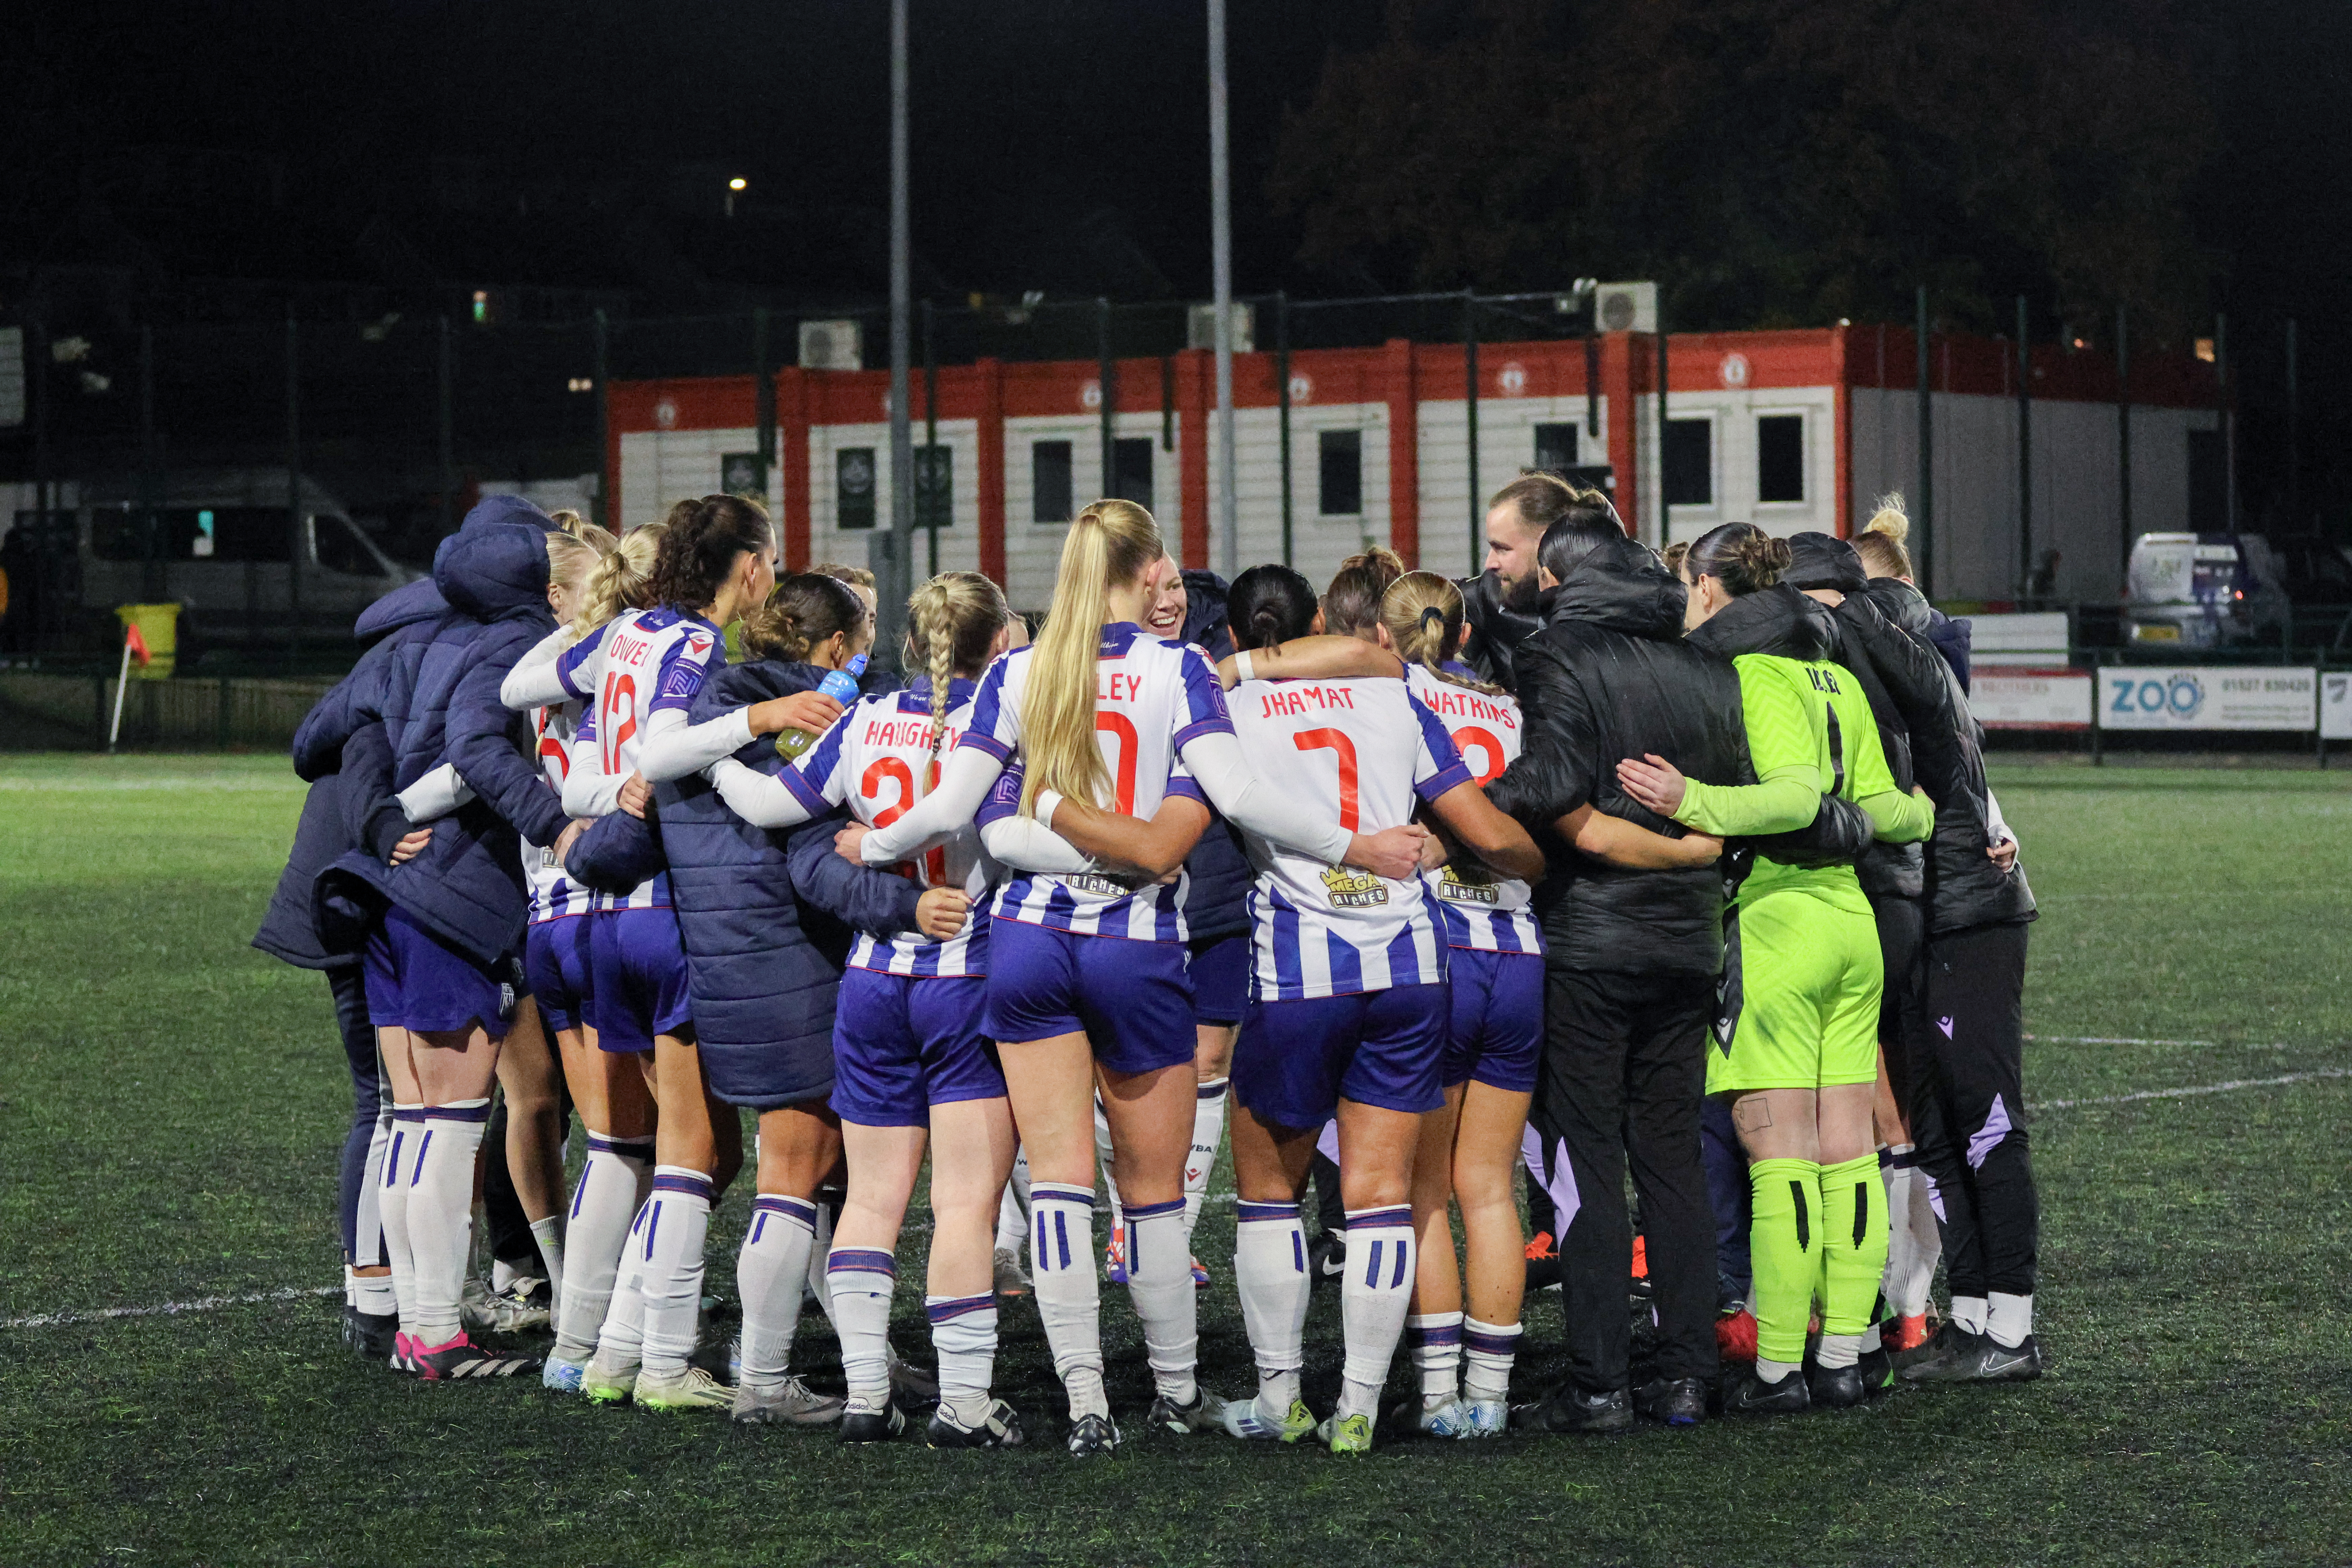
(1890, 519)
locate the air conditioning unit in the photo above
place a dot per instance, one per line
(830, 345)
(1625, 307)
(1201, 327)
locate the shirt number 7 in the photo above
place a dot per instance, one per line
(1335, 742)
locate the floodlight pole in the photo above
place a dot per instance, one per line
(894, 579)
(1221, 246)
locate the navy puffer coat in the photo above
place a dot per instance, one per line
(1218, 874)
(442, 705)
(766, 916)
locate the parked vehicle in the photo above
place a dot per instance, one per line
(2203, 590)
(244, 568)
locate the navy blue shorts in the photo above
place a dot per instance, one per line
(1497, 1026)
(1220, 971)
(1295, 1061)
(555, 962)
(1131, 999)
(902, 1045)
(416, 981)
(637, 978)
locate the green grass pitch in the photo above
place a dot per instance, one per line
(171, 1102)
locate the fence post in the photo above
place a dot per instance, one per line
(1282, 414)
(1665, 504)
(2122, 441)
(446, 395)
(926, 470)
(2293, 437)
(220, 717)
(1106, 378)
(1470, 410)
(2024, 457)
(294, 530)
(1925, 496)
(607, 509)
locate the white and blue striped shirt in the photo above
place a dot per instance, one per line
(1361, 752)
(1151, 696)
(1477, 907)
(636, 666)
(554, 895)
(879, 758)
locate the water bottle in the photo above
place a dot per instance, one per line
(841, 685)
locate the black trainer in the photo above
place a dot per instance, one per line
(1878, 1369)
(1997, 1363)
(1946, 1358)
(1745, 1394)
(1206, 1414)
(370, 1333)
(999, 1428)
(1835, 1387)
(1094, 1434)
(861, 1424)
(1327, 1257)
(1675, 1401)
(1568, 1408)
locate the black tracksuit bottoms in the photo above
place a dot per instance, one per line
(1967, 1107)
(1625, 1069)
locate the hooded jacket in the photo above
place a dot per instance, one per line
(1610, 677)
(347, 808)
(1218, 875)
(1964, 887)
(1495, 632)
(440, 702)
(765, 916)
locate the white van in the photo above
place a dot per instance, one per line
(2202, 590)
(223, 545)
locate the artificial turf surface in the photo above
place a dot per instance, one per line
(171, 1102)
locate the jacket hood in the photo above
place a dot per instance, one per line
(1821, 561)
(495, 569)
(754, 681)
(403, 606)
(1901, 603)
(1778, 620)
(1621, 586)
(491, 511)
(1205, 595)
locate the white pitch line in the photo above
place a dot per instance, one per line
(169, 1308)
(2194, 1089)
(2120, 1040)
(293, 1293)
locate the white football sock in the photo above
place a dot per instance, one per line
(1373, 1295)
(828, 1215)
(1012, 1208)
(367, 1229)
(1772, 1371)
(861, 1280)
(2009, 1318)
(440, 1200)
(1109, 1166)
(677, 1221)
(1159, 1284)
(1913, 1241)
(548, 1234)
(373, 1294)
(771, 1275)
(612, 1189)
(391, 1210)
(1838, 1349)
(1435, 1340)
(1270, 1275)
(963, 1338)
(1970, 1312)
(1488, 1351)
(1069, 1293)
(620, 1337)
(1208, 1135)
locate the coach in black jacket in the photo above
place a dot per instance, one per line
(1631, 963)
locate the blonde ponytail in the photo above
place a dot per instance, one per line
(1422, 612)
(623, 580)
(1881, 542)
(1112, 543)
(951, 622)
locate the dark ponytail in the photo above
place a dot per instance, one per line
(1739, 556)
(804, 610)
(1351, 605)
(1269, 605)
(698, 552)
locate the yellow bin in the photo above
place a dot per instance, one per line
(159, 626)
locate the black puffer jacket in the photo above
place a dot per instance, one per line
(1884, 662)
(1964, 886)
(1217, 873)
(1610, 677)
(1492, 646)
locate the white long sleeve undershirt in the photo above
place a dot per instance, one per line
(1214, 760)
(1028, 845)
(588, 789)
(673, 748)
(757, 798)
(438, 794)
(534, 682)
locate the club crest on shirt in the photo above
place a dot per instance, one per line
(1351, 888)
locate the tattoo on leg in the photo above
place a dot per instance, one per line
(1751, 1114)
